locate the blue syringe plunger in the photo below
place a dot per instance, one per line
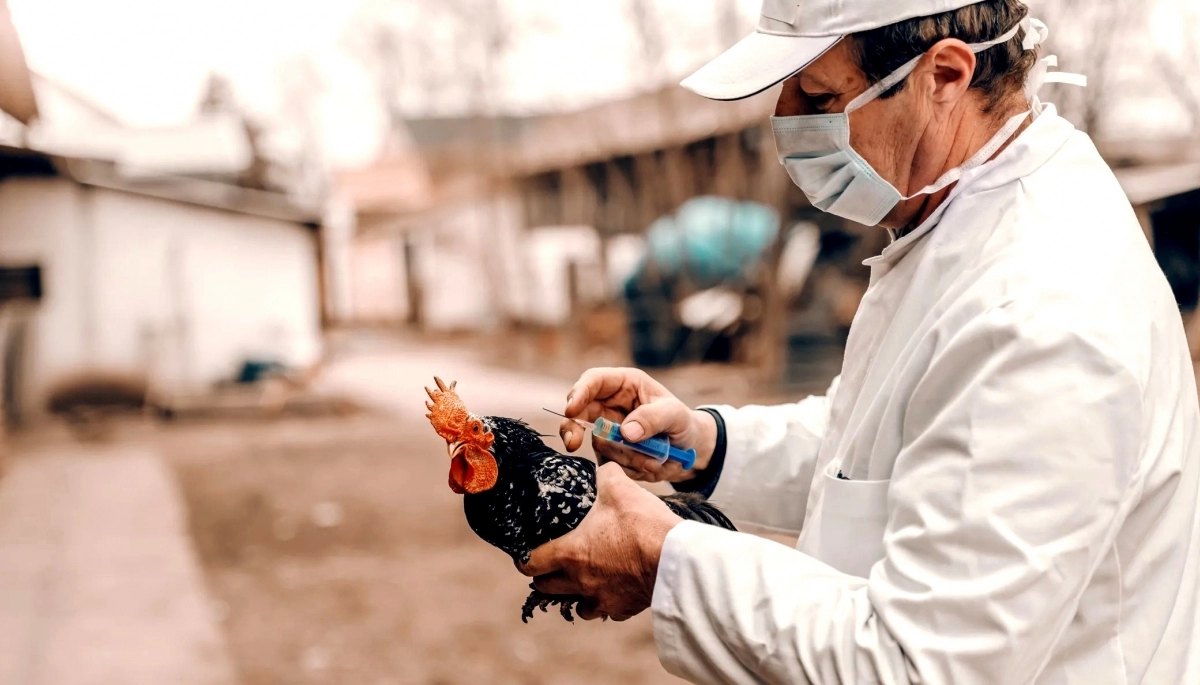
(657, 447)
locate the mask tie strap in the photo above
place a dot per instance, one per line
(1036, 33)
(981, 157)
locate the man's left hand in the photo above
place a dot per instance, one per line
(612, 557)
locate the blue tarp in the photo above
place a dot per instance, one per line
(711, 239)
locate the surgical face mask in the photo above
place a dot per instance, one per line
(815, 149)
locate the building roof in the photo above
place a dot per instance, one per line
(432, 134)
(646, 122)
(16, 87)
(211, 144)
(455, 158)
(193, 191)
(1146, 184)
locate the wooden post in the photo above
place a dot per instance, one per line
(416, 294)
(317, 231)
(650, 189)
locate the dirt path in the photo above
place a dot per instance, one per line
(341, 557)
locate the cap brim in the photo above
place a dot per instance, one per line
(756, 63)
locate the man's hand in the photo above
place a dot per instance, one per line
(644, 408)
(612, 557)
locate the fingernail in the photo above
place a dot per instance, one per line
(632, 431)
(569, 396)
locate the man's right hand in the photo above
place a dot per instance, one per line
(644, 408)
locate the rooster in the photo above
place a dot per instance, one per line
(519, 494)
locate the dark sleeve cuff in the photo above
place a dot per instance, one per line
(705, 481)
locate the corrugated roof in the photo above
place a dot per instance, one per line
(643, 123)
(462, 156)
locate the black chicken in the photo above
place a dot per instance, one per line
(518, 493)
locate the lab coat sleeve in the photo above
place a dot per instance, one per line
(1020, 445)
(770, 457)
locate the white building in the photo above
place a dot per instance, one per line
(175, 279)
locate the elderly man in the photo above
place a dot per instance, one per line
(1002, 486)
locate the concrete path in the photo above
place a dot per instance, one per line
(99, 583)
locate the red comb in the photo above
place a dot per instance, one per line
(447, 412)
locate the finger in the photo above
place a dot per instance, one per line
(597, 384)
(609, 475)
(608, 451)
(588, 611)
(635, 475)
(672, 471)
(546, 559)
(668, 416)
(556, 584)
(597, 408)
(572, 434)
(601, 460)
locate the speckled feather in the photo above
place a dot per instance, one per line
(542, 495)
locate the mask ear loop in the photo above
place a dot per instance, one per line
(984, 154)
(908, 67)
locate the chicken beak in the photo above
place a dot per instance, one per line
(454, 448)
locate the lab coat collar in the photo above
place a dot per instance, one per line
(1027, 153)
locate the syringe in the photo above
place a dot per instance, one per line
(657, 447)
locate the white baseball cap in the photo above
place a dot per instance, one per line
(793, 33)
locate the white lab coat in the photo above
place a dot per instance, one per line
(1017, 417)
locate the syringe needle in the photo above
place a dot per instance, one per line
(585, 424)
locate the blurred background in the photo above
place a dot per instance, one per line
(238, 238)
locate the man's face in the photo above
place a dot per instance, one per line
(885, 132)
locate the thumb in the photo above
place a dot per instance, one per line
(664, 416)
(546, 559)
(608, 474)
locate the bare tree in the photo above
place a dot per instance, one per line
(448, 54)
(302, 88)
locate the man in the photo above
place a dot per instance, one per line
(1002, 485)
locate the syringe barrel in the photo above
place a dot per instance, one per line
(657, 447)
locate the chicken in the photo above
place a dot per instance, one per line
(518, 493)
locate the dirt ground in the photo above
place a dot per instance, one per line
(339, 555)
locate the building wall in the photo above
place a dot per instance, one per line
(137, 284)
(378, 289)
(38, 226)
(463, 262)
(467, 263)
(476, 265)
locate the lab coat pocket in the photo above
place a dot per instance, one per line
(853, 517)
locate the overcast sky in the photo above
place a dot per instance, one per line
(147, 60)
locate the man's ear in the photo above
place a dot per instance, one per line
(953, 68)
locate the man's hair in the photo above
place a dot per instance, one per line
(1000, 70)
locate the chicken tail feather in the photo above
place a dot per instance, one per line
(693, 507)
